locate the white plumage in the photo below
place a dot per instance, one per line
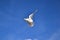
(29, 20)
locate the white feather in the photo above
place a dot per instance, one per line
(30, 20)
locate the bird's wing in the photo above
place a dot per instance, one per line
(25, 19)
(31, 15)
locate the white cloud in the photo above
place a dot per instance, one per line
(31, 39)
(28, 39)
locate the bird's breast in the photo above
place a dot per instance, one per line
(30, 20)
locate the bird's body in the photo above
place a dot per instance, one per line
(30, 19)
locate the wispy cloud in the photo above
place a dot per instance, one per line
(31, 39)
(28, 39)
(55, 36)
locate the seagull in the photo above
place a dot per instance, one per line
(29, 20)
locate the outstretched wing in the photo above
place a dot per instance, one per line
(31, 15)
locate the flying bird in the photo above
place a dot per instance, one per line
(29, 20)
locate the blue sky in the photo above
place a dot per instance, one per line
(47, 20)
